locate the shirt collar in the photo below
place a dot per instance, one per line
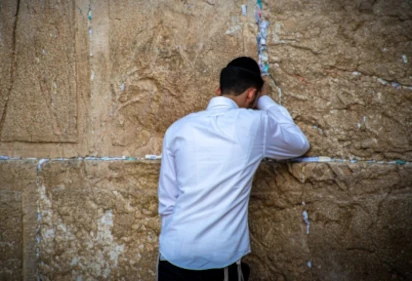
(221, 103)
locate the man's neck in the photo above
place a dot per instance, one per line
(234, 98)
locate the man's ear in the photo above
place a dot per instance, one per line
(251, 94)
(218, 92)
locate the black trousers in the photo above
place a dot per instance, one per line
(170, 272)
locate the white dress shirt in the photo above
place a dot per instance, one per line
(208, 162)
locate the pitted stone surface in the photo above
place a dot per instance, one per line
(106, 78)
(8, 10)
(358, 216)
(18, 220)
(110, 82)
(42, 100)
(330, 59)
(99, 221)
(166, 62)
(11, 235)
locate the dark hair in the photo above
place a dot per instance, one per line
(239, 75)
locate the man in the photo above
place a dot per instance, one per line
(208, 162)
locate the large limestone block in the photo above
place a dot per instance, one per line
(18, 220)
(107, 78)
(331, 60)
(99, 220)
(42, 101)
(359, 217)
(48, 108)
(165, 60)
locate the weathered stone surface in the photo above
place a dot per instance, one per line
(74, 140)
(106, 78)
(99, 221)
(8, 11)
(166, 57)
(11, 236)
(42, 101)
(327, 56)
(359, 218)
(146, 64)
(18, 220)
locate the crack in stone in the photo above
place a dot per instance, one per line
(316, 53)
(384, 82)
(209, 3)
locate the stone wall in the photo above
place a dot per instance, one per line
(344, 72)
(359, 217)
(106, 78)
(98, 221)
(18, 221)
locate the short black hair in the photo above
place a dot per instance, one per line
(239, 75)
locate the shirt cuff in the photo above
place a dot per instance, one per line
(265, 102)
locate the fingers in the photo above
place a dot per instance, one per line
(265, 89)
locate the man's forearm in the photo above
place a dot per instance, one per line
(284, 138)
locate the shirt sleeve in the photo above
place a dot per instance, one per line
(283, 138)
(168, 189)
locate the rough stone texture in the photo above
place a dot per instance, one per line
(18, 220)
(166, 63)
(106, 78)
(359, 222)
(115, 90)
(146, 71)
(144, 64)
(326, 57)
(42, 99)
(47, 113)
(99, 221)
(8, 11)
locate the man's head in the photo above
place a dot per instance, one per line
(241, 80)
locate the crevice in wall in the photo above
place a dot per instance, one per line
(263, 56)
(90, 30)
(394, 82)
(12, 68)
(305, 217)
(153, 157)
(38, 227)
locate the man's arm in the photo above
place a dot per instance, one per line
(283, 138)
(168, 190)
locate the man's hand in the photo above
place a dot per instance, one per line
(265, 89)
(263, 92)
